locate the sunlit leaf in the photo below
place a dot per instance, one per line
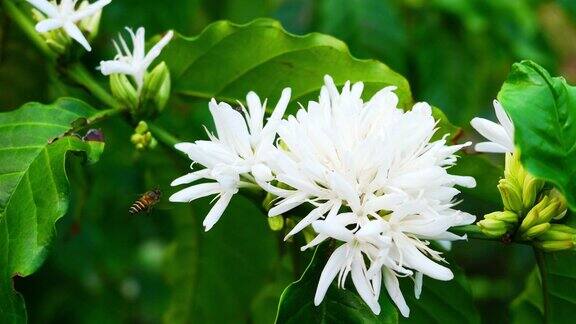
(228, 60)
(543, 110)
(33, 185)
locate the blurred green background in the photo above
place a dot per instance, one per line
(109, 267)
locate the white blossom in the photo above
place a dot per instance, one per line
(372, 176)
(134, 62)
(235, 156)
(500, 136)
(67, 16)
(370, 164)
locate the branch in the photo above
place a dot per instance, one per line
(79, 74)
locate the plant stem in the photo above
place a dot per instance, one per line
(78, 73)
(163, 136)
(105, 114)
(472, 231)
(539, 255)
(28, 28)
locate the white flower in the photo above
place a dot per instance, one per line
(233, 158)
(134, 63)
(500, 136)
(350, 258)
(66, 16)
(370, 164)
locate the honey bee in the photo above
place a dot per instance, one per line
(146, 202)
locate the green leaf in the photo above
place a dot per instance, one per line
(216, 275)
(559, 284)
(543, 110)
(528, 307)
(441, 302)
(34, 187)
(228, 60)
(339, 305)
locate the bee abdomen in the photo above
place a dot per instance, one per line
(137, 207)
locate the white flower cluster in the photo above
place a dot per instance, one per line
(69, 14)
(374, 180)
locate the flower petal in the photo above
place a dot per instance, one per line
(48, 25)
(329, 272)
(45, 6)
(393, 287)
(195, 192)
(74, 32)
(217, 211)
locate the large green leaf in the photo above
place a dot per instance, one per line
(559, 283)
(549, 293)
(216, 275)
(34, 187)
(528, 307)
(228, 60)
(339, 305)
(543, 110)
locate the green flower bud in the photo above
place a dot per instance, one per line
(530, 190)
(142, 138)
(551, 210)
(156, 89)
(511, 195)
(533, 217)
(493, 227)
(534, 231)
(504, 216)
(562, 204)
(558, 232)
(137, 138)
(276, 223)
(141, 128)
(553, 246)
(513, 169)
(124, 91)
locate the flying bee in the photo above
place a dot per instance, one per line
(146, 202)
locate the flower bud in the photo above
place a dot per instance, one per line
(530, 190)
(558, 232)
(141, 128)
(142, 138)
(504, 216)
(551, 210)
(276, 223)
(513, 169)
(535, 231)
(124, 91)
(156, 89)
(533, 217)
(511, 195)
(493, 227)
(553, 246)
(562, 204)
